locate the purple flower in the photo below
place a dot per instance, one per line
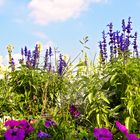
(135, 46)
(128, 27)
(14, 134)
(25, 126)
(46, 59)
(11, 123)
(132, 137)
(49, 123)
(102, 134)
(110, 25)
(61, 65)
(123, 26)
(122, 128)
(104, 45)
(74, 112)
(43, 135)
(25, 51)
(101, 52)
(28, 62)
(50, 51)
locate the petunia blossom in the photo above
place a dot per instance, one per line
(11, 124)
(14, 134)
(25, 126)
(122, 128)
(132, 137)
(102, 134)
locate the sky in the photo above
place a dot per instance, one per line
(61, 23)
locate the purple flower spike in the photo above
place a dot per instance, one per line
(102, 134)
(135, 46)
(122, 128)
(25, 51)
(14, 134)
(104, 45)
(50, 51)
(49, 123)
(128, 28)
(110, 25)
(62, 64)
(43, 135)
(123, 26)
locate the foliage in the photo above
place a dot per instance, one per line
(76, 99)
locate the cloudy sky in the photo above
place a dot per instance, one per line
(61, 23)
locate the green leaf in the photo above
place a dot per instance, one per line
(90, 97)
(127, 123)
(104, 98)
(98, 120)
(113, 78)
(116, 108)
(105, 119)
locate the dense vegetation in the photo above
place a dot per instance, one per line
(58, 100)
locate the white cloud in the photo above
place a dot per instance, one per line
(47, 11)
(40, 35)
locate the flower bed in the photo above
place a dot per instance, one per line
(57, 100)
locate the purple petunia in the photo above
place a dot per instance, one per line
(102, 134)
(49, 123)
(74, 112)
(11, 124)
(14, 134)
(122, 128)
(26, 126)
(43, 135)
(132, 137)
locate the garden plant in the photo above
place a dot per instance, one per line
(54, 98)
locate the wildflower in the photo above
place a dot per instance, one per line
(128, 27)
(104, 45)
(135, 46)
(74, 112)
(123, 26)
(28, 62)
(11, 124)
(102, 134)
(50, 51)
(14, 134)
(110, 25)
(46, 59)
(12, 64)
(49, 123)
(61, 65)
(25, 126)
(25, 51)
(43, 135)
(122, 128)
(101, 52)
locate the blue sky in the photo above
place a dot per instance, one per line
(61, 23)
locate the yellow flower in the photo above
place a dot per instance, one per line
(40, 48)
